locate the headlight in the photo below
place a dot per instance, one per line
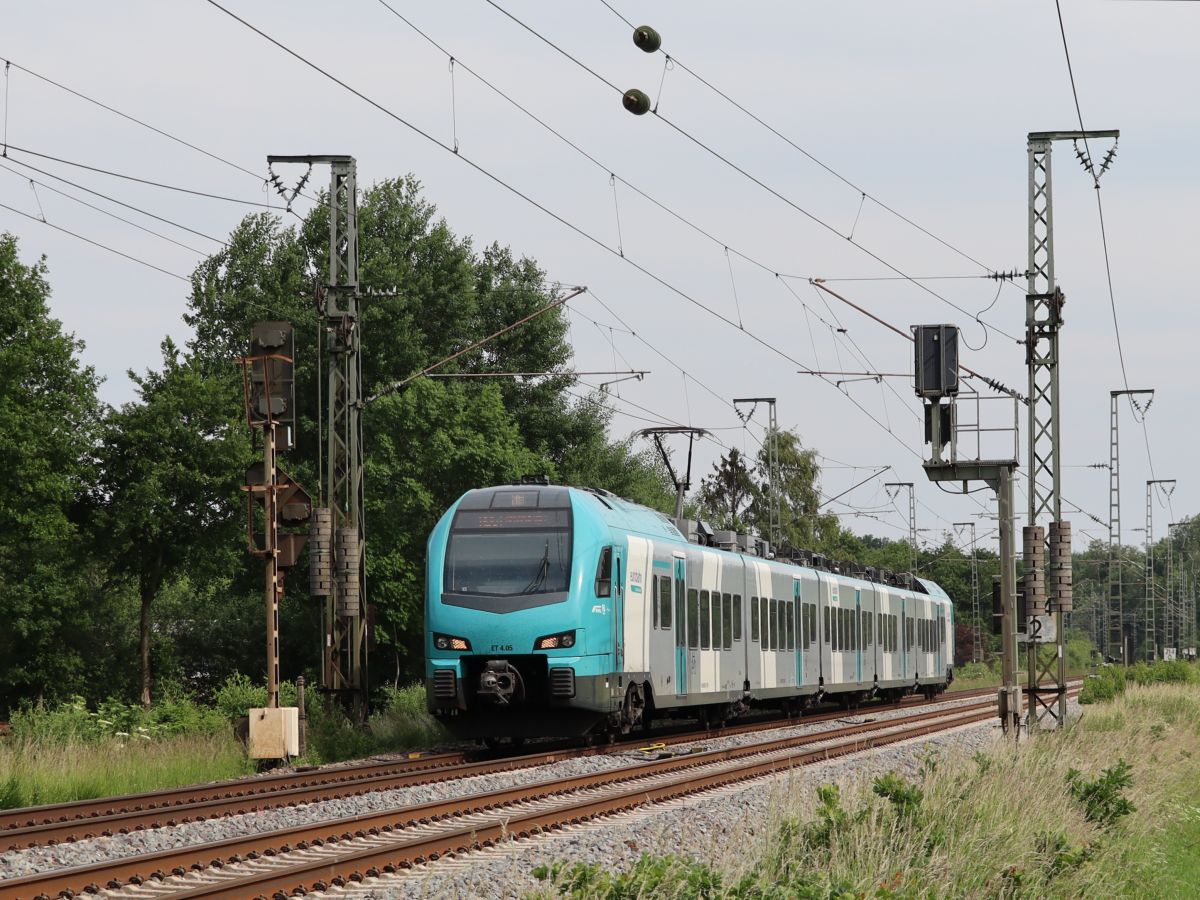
(447, 642)
(555, 641)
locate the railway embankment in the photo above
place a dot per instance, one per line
(1117, 815)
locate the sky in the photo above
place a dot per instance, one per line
(698, 253)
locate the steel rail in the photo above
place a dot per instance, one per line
(35, 826)
(215, 855)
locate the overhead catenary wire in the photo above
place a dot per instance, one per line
(141, 123)
(614, 178)
(103, 211)
(145, 181)
(540, 206)
(500, 182)
(129, 206)
(746, 173)
(102, 246)
(1112, 300)
(865, 194)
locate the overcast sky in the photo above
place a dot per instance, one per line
(923, 105)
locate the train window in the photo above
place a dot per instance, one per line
(812, 622)
(727, 621)
(868, 620)
(836, 643)
(705, 625)
(773, 618)
(664, 601)
(693, 618)
(826, 625)
(754, 618)
(762, 614)
(680, 617)
(654, 601)
(856, 637)
(805, 634)
(791, 626)
(604, 573)
(908, 635)
(737, 617)
(716, 620)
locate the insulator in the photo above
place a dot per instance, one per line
(647, 39)
(637, 102)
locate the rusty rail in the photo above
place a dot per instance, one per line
(216, 855)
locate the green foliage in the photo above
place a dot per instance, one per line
(728, 493)
(72, 722)
(1058, 855)
(239, 693)
(54, 611)
(904, 796)
(679, 877)
(1174, 671)
(403, 722)
(1106, 684)
(1103, 799)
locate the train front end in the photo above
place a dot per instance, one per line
(518, 635)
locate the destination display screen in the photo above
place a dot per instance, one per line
(511, 519)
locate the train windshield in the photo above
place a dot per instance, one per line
(506, 553)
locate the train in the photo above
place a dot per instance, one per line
(559, 611)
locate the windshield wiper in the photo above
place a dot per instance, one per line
(543, 571)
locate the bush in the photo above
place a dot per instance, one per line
(1106, 684)
(1103, 799)
(72, 722)
(1174, 671)
(239, 693)
(972, 671)
(403, 722)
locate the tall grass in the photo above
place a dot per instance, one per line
(68, 752)
(41, 770)
(1057, 816)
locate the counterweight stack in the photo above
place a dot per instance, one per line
(1060, 566)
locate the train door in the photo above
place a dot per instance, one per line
(618, 616)
(681, 627)
(858, 635)
(795, 630)
(903, 637)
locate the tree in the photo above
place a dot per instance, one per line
(802, 523)
(727, 495)
(48, 422)
(170, 468)
(430, 295)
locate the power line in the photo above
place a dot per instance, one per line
(144, 124)
(118, 202)
(867, 195)
(103, 211)
(88, 240)
(745, 173)
(1112, 301)
(157, 184)
(543, 208)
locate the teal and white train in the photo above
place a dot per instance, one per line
(556, 611)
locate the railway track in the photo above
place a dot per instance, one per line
(316, 856)
(103, 817)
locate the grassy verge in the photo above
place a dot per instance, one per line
(33, 772)
(1107, 809)
(68, 752)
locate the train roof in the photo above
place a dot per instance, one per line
(622, 514)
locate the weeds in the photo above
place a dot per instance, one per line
(1104, 799)
(966, 827)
